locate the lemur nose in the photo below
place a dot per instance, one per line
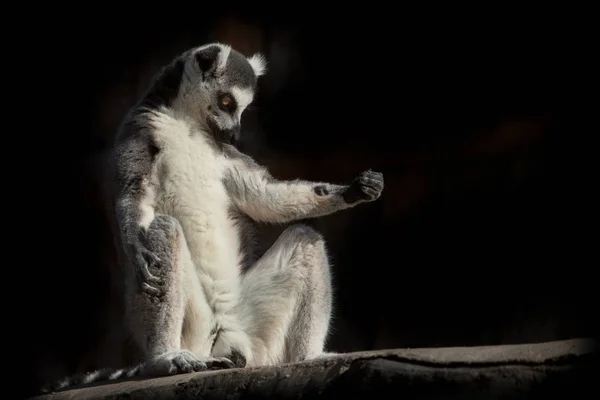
(234, 134)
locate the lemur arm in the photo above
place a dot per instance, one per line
(257, 194)
(134, 202)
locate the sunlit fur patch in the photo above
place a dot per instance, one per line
(243, 97)
(258, 64)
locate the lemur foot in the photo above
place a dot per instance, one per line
(238, 359)
(184, 361)
(233, 345)
(367, 186)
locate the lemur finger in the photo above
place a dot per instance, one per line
(143, 277)
(371, 186)
(153, 279)
(150, 289)
(153, 259)
(147, 275)
(371, 180)
(372, 193)
(142, 266)
(371, 173)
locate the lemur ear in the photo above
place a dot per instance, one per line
(259, 64)
(207, 58)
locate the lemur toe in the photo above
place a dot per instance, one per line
(221, 363)
(237, 358)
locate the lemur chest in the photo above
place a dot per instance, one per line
(189, 181)
(188, 185)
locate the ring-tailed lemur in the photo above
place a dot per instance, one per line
(186, 200)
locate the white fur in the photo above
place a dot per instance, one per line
(91, 377)
(243, 97)
(189, 171)
(223, 56)
(258, 63)
(147, 206)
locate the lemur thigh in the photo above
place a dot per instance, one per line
(286, 298)
(159, 323)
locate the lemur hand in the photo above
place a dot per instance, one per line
(367, 186)
(142, 259)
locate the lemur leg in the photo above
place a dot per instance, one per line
(158, 321)
(287, 298)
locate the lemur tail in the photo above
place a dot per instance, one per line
(106, 374)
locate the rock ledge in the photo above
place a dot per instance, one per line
(538, 370)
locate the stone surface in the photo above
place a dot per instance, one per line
(562, 369)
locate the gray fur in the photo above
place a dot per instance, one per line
(133, 160)
(182, 196)
(239, 72)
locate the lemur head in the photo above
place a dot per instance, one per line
(218, 84)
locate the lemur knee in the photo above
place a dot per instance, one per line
(164, 235)
(307, 247)
(164, 225)
(302, 234)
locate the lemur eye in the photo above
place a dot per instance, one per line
(226, 103)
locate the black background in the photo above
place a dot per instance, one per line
(472, 117)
